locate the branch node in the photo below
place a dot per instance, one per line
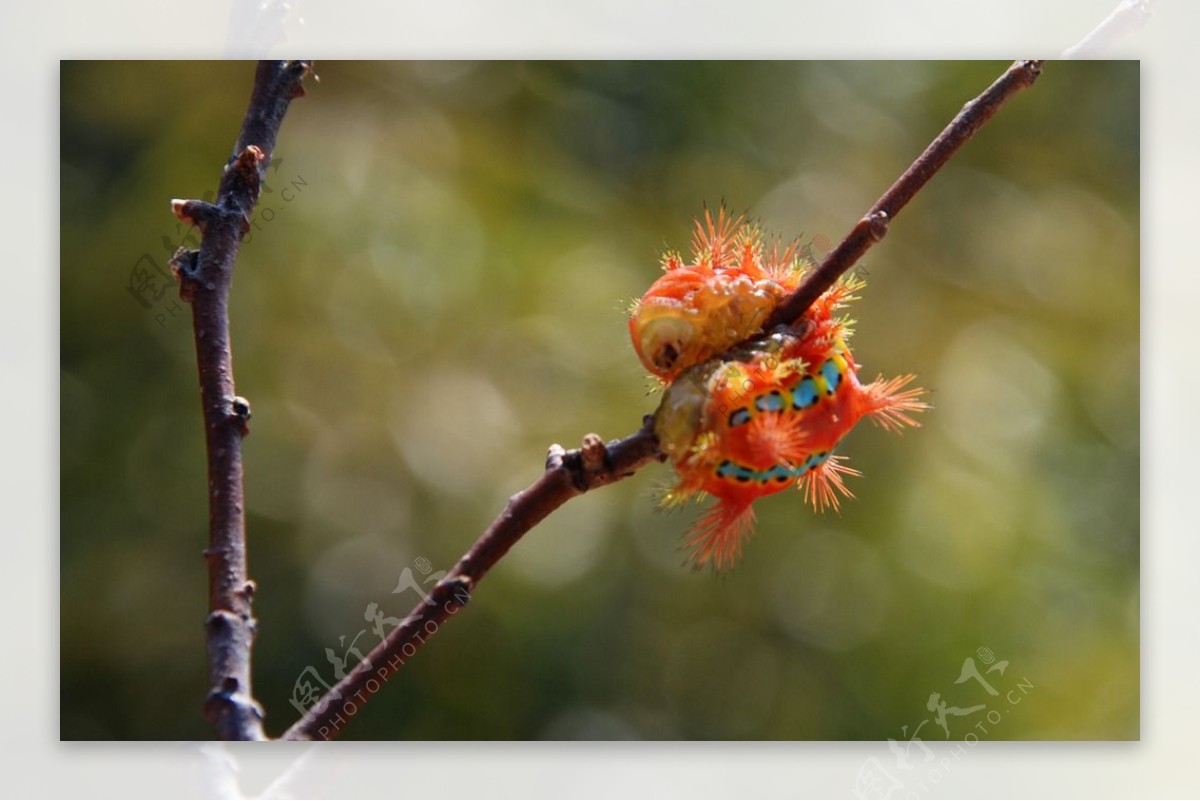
(877, 225)
(194, 212)
(1032, 69)
(248, 163)
(594, 453)
(229, 697)
(572, 463)
(460, 588)
(241, 183)
(185, 266)
(240, 414)
(554, 457)
(220, 620)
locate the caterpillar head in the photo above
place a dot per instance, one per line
(665, 337)
(672, 334)
(700, 307)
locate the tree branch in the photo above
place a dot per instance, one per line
(567, 474)
(595, 465)
(206, 277)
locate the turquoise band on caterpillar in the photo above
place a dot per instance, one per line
(779, 472)
(804, 395)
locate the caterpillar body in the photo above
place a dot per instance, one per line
(744, 423)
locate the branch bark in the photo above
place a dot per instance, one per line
(206, 277)
(572, 473)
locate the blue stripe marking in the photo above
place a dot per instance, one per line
(815, 460)
(728, 469)
(832, 375)
(771, 402)
(805, 393)
(779, 472)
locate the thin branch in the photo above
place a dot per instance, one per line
(567, 474)
(595, 465)
(206, 277)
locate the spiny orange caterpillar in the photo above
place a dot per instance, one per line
(750, 422)
(696, 311)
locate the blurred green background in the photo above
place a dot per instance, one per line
(433, 292)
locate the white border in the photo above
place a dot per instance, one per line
(34, 36)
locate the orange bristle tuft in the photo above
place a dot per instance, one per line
(891, 406)
(778, 438)
(823, 484)
(713, 240)
(717, 537)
